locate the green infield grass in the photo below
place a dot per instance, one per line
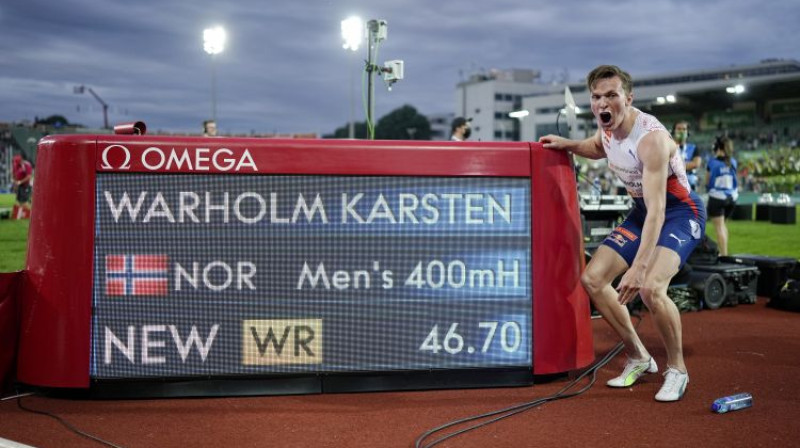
(13, 238)
(761, 238)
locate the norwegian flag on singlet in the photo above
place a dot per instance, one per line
(136, 275)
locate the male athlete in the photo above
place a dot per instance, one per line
(655, 239)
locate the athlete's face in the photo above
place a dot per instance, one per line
(610, 102)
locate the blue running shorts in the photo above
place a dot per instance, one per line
(682, 231)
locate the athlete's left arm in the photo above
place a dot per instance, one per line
(654, 152)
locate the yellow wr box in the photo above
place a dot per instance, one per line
(281, 341)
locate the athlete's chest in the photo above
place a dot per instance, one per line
(623, 157)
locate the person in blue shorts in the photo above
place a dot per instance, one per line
(723, 189)
(654, 241)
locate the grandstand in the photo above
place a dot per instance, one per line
(765, 110)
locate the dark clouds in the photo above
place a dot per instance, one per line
(284, 69)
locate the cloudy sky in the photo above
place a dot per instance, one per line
(284, 69)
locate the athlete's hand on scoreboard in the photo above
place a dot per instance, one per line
(630, 284)
(553, 142)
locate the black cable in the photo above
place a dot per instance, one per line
(65, 423)
(517, 409)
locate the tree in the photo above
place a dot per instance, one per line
(56, 121)
(360, 130)
(404, 123)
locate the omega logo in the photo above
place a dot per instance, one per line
(126, 164)
(186, 159)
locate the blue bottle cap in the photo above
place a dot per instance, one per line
(715, 407)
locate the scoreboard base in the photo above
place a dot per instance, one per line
(426, 380)
(219, 387)
(101, 389)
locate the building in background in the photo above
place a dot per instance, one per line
(440, 125)
(488, 98)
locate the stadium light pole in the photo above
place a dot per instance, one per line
(213, 44)
(353, 35)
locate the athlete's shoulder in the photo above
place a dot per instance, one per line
(649, 123)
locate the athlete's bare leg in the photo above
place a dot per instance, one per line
(722, 234)
(665, 264)
(604, 267)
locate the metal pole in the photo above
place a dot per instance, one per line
(372, 29)
(213, 88)
(352, 131)
(464, 100)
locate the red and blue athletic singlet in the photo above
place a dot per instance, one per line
(685, 220)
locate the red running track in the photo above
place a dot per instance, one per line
(749, 348)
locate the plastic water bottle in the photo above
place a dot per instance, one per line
(596, 191)
(732, 403)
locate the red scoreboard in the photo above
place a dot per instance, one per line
(196, 266)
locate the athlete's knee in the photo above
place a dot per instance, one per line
(653, 294)
(593, 282)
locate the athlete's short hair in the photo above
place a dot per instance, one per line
(610, 71)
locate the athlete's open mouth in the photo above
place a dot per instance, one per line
(605, 117)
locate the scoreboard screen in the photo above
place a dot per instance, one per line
(218, 275)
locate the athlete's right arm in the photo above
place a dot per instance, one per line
(591, 148)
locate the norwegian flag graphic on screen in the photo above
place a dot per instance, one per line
(136, 275)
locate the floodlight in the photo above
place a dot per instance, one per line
(737, 89)
(352, 33)
(214, 40)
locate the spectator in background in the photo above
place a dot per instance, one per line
(691, 156)
(722, 188)
(209, 128)
(460, 129)
(22, 171)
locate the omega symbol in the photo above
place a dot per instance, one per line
(126, 164)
